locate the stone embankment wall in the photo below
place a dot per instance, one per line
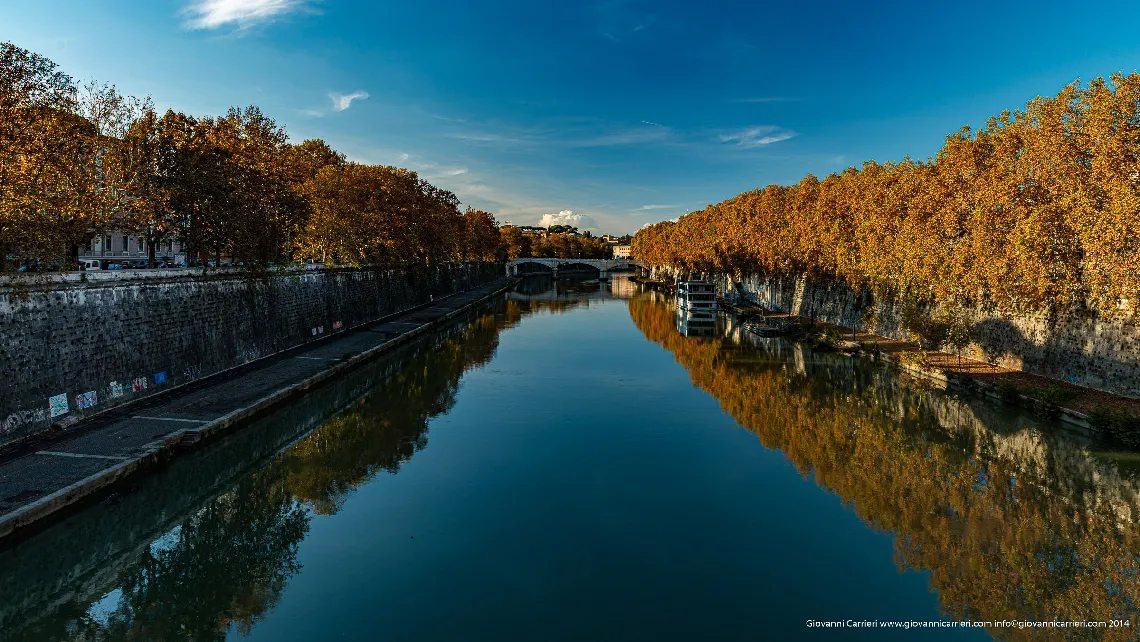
(1084, 350)
(1081, 349)
(78, 344)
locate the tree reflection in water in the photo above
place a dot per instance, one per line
(1011, 521)
(224, 565)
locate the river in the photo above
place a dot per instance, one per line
(565, 465)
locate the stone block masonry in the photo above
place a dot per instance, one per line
(74, 344)
(1084, 350)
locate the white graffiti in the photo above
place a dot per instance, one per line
(20, 418)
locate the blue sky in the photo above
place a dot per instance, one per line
(620, 112)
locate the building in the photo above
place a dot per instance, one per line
(123, 247)
(531, 230)
(622, 251)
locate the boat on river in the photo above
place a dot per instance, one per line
(696, 296)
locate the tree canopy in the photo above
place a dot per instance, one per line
(1038, 209)
(76, 162)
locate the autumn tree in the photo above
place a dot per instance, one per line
(1034, 211)
(481, 235)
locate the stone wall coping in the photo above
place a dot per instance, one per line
(18, 283)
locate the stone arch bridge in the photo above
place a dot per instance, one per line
(533, 265)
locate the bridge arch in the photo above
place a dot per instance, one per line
(526, 265)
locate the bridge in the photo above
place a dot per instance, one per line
(516, 267)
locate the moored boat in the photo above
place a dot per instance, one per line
(696, 296)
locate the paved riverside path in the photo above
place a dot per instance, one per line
(42, 478)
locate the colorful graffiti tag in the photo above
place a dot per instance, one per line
(58, 404)
(86, 400)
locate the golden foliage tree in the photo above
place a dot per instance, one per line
(1038, 209)
(77, 161)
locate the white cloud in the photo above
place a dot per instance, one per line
(567, 217)
(645, 208)
(342, 102)
(212, 14)
(757, 136)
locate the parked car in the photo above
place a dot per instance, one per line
(90, 264)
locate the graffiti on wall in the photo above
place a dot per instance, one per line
(19, 419)
(58, 404)
(86, 400)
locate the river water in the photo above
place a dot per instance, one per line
(566, 465)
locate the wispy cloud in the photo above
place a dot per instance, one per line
(637, 136)
(649, 123)
(484, 138)
(342, 102)
(766, 99)
(646, 208)
(757, 136)
(212, 14)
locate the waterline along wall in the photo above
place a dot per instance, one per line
(1084, 350)
(77, 345)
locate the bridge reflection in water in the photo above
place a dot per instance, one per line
(1011, 517)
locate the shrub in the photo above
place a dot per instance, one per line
(1052, 395)
(1007, 390)
(920, 359)
(1120, 425)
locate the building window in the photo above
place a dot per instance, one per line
(125, 239)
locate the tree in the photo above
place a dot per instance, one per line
(481, 235)
(35, 101)
(1036, 210)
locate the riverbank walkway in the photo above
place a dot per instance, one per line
(40, 479)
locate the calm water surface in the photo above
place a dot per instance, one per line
(566, 465)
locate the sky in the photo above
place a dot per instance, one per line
(606, 115)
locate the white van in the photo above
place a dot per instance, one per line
(89, 264)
